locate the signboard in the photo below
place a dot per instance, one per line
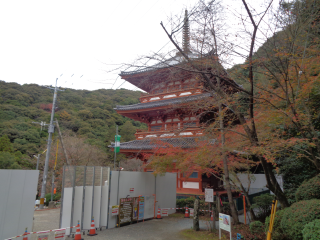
(115, 210)
(125, 210)
(191, 212)
(135, 208)
(60, 234)
(43, 236)
(208, 192)
(131, 190)
(141, 208)
(224, 223)
(165, 212)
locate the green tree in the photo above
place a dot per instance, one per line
(127, 132)
(8, 161)
(5, 144)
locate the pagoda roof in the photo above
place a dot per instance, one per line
(152, 143)
(173, 61)
(162, 103)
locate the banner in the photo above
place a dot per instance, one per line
(141, 208)
(165, 212)
(191, 212)
(60, 234)
(43, 236)
(115, 210)
(117, 144)
(208, 192)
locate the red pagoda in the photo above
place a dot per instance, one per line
(169, 85)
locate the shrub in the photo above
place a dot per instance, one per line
(256, 227)
(298, 215)
(311, 231)
(309, 189)
(246, 233)
(263, 203)
(277, 231)
(56, 197)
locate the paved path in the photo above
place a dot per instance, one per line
(167, 228)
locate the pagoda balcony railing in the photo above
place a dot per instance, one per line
(175, 132)
(165, 94)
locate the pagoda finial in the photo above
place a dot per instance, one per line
(186, 33)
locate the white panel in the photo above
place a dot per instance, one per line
(169, 96)
(28, 198)
(149, 207)
(66, 209)
(153, 122)
(87, 207)
(194, 185)
(151, 136)
(96, 205)
(185, 133)
(166, 191)
(176, 120)
(4, 198)
(18, 192)
(169, 120)
(167, 135)
(192, 118)
(159, 121)
(104, 206)
(77, 207)
(185, 93)
(154, 98)
(186, 119)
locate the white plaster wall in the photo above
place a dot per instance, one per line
(258, 182)
(18, 189)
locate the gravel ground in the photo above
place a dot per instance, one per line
(167, 228)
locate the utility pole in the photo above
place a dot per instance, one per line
(46, 164)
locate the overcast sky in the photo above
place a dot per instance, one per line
(40, 40)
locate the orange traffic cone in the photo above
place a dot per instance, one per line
(77, 236)
(159, 214)
(25, 235)
(186, 213)
(92, 229)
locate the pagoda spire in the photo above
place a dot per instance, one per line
(186, 33)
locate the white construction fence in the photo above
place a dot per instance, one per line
(113, 198)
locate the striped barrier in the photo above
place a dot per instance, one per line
(40, 232)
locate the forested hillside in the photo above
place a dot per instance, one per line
(86, 118)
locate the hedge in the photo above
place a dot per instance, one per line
(309, 189)
(181, 203)
(298, 215)
(311, 231)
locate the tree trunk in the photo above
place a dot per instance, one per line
(218, 203)
(196, 215)
(229, 192)
(213, 217)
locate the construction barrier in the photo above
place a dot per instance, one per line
(58, 232)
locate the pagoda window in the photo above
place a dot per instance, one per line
(193, 175)
(155, 128)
